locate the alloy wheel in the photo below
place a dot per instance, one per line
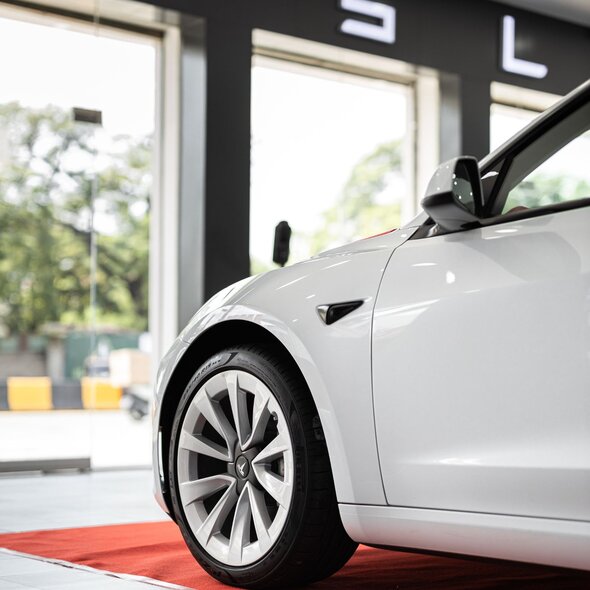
(235, 467)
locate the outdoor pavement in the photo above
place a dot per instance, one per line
(111, 438)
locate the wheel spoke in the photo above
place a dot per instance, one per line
(260, 418)
(204, 446)
(199, 489)
(239, 406)
(260, 517)
(274, 450)
(273, 484)
(218, 515)
(240, 529)
(216, 417)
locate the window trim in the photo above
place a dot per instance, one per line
(536, 212)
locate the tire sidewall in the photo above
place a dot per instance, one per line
(252, 362)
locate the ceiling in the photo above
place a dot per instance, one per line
(577, 11)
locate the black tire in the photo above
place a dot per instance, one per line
(313, 543)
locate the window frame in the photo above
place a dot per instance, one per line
(293, 53)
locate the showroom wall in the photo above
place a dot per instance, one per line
(207, 144)
(461, 39)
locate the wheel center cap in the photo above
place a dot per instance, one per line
(242, 467)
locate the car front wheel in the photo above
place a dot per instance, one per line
(251, 484)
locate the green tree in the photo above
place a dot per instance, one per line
(541, 189)
(359, 211)
(46, 187)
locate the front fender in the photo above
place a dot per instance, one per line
(335, 360)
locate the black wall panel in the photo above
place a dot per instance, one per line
(459, 37)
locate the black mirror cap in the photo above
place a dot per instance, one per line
(454, 197)
(281, 248)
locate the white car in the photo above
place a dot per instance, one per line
(428, 388)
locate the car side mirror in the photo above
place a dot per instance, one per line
(281, 248)
(454, 195)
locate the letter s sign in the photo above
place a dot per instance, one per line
(384, 32)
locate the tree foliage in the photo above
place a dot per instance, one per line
(46, 186)
(364, 207)
(541, 188)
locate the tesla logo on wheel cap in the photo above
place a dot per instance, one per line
(242, 466)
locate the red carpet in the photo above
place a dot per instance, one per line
(156, 550)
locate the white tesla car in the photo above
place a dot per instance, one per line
(428, 388)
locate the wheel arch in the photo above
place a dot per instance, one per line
(217, 337)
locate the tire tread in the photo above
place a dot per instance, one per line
(323, 538)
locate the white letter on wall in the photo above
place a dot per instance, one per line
(384, 32)
(512, 64)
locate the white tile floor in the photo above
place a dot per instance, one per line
(18, 572)
(37, 502)
(71, 500)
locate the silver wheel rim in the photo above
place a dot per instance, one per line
(235, 467)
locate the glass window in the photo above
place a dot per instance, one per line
(506, 121)
(331, 154)
(74, 231)
(553, 169)
(513, 108)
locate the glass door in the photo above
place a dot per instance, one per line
(76, 143)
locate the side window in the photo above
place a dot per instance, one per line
(555, 168)
(565, 176)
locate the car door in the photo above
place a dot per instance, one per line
(481, 347)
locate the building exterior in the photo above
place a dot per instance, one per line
(330, 114)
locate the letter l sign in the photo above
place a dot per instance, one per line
(510, 63)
